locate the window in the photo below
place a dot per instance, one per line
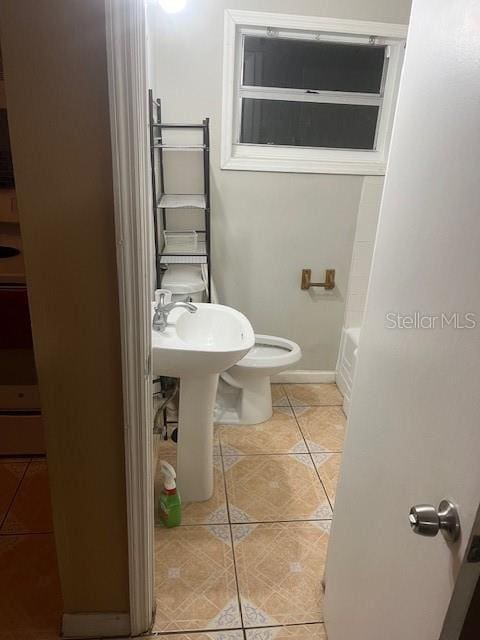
(304, 94)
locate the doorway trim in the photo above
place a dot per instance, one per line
(127, 80)
(127, 83)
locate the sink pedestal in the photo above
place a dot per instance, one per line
(195, 437)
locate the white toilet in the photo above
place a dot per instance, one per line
(244, 395)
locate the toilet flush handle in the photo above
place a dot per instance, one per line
(307, 280)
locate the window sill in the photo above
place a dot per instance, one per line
(285, 165)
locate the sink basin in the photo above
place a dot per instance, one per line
(209, 341)
(196, 347)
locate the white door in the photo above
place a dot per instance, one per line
(414, 430)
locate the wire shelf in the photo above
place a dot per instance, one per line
(182, 201)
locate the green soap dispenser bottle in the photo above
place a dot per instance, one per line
(170, 502)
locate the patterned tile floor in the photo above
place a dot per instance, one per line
(248, 564)
(30, 606)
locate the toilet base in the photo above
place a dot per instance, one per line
(250, 404)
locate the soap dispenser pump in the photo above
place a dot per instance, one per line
(170, 502)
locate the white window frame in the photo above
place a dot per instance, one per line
(252, 157)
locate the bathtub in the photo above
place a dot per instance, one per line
(347, 360)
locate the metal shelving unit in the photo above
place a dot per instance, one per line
(164, 202)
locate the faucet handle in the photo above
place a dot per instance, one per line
(162, 296)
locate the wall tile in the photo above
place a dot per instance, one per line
(365, 233)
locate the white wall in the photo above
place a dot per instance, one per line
(363, 245)
(266, 226)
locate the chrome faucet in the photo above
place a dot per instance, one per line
(162, 310)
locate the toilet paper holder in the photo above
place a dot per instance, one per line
(307, 280)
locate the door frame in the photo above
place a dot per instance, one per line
(127, 84)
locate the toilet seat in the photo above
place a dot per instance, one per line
(270, 352)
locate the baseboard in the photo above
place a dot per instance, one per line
(305, 376)
(95, 625)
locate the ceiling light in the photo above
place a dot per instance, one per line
(172, 6)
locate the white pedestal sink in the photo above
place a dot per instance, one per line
(196, 347)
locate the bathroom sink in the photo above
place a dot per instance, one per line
(196, 347)
(208, 341)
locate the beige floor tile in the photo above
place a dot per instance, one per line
(274, 488)
(297, 632)
(328, 467)
(213, 635)
(306, 395)
(30, 604)
(195, 579)
(280, 434)
(11, 474)
(169, 447)
(166, 448)
(322, 427)
(213, 511)
(279, 569)
(31, 510)
(279, 397)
